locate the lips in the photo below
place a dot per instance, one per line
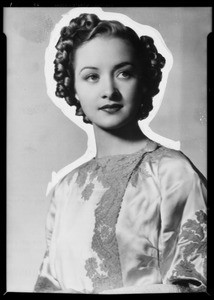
(111, 107)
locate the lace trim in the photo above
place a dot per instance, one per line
(88, 190)
(114, 174)
(193, 232)
(148, 157)
(113, 165)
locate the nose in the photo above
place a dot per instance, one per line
(110, 90)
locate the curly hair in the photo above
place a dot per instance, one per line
(88, 26)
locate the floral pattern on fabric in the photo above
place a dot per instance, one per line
(143, 167)
(105, 272)
(126, 221)
(193, 243)
(86, 193)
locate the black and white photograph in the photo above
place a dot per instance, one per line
(106, 149)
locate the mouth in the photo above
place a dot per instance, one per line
(111, 108)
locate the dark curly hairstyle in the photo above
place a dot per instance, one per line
(88, 26)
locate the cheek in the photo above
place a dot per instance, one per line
(88, 93)
(81, 93)
(86, 96)
(83, 89)
(133, 93)
(86, 99)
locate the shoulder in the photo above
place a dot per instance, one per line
(65, 182)
(81, 170)
(174, 159)
(163, 155)
(175, 170)
(172, 163)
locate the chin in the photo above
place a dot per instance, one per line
(115, 125)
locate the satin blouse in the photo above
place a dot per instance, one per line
(127, 220)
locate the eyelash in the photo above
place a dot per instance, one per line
(90, 77)
(127, 73)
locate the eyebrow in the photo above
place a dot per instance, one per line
(118, 66)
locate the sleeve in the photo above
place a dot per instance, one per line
(46, 281)
(183, 234)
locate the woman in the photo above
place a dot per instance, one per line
(133, 218)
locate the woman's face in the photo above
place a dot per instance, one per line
(107, 82)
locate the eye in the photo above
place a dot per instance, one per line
(124, 75)
(92, 77)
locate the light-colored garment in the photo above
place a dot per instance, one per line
(127, 220)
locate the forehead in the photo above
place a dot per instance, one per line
(103, 51)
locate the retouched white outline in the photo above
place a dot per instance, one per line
(69, 112)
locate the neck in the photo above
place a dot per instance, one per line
(124, 140)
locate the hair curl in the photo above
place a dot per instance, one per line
(85, 28)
